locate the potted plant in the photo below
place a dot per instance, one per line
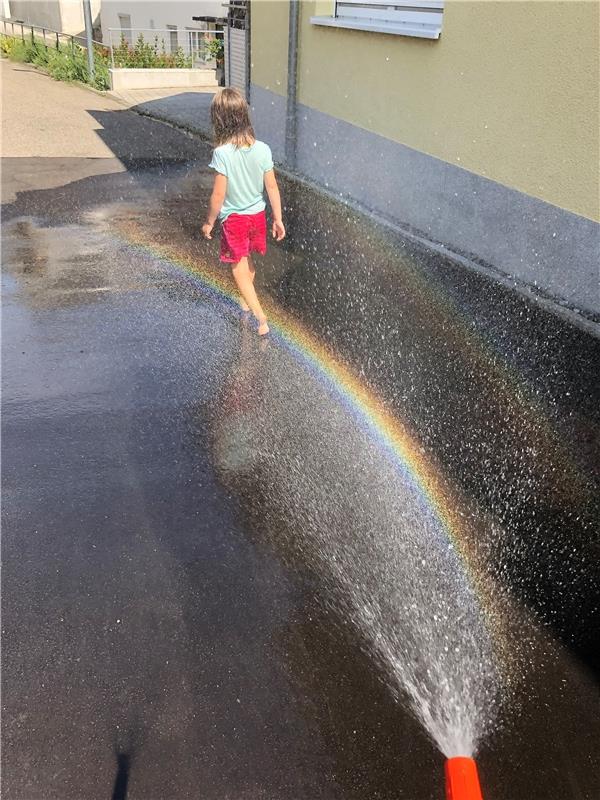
(215, 50)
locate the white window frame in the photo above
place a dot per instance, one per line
(173, 40)
(125, 27)
(196, 42)
(420, 18)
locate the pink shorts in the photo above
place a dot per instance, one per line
(242, 234)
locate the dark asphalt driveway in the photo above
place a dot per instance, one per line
(167, 632)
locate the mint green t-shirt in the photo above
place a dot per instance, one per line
(244, 168)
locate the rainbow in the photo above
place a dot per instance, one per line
(400, 445)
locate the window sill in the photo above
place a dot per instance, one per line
(420, 31)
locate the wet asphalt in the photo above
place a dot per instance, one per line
(164, 636)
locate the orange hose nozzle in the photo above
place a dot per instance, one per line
(462, 780)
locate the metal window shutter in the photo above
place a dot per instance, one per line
(235, 58)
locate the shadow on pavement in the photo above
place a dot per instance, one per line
(189, 110)
(122, 777)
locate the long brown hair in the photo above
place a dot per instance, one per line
(230, 116)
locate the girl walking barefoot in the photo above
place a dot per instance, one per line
(244, 169)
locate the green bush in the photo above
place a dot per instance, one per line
(144, 55)
(7, 44)
(67, 63)
(101, 65)
(215, 49)
(65, 66)
(18, 49)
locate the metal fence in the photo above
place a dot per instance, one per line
(167, 48)
(47, 36)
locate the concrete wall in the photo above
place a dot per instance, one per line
(510, 91)
(269, 42)
(125, 79)
(485, 141)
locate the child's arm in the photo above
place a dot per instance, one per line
(275, 201)
(217, 199)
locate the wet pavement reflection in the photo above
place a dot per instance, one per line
(175, 491)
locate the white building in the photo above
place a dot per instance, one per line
(171, 19)
(65, 16)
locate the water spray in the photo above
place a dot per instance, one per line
(462, 780)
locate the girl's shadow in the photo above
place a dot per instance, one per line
(122, 776)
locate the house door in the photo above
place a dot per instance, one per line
(237, 46)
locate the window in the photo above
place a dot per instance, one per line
(125, 26)
(422, 18)
(196, 46)
(173, 40)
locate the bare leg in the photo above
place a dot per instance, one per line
(252, 268)
(245, 283)
(243, 304)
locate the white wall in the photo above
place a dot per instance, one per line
(58, 15)
(37, 12)
(72, 15)
(157, 14)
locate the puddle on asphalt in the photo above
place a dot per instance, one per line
(499, 395)
(498, 392)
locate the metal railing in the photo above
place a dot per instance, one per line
(165, 48)
(48, 36)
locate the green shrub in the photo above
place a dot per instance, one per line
(65, 66)
(67, 63)
(215, 48)
(18, 49)
(144, 55)
(101, 64)
(6, 45)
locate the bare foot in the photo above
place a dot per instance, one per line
(263, 328)
(244, 305)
